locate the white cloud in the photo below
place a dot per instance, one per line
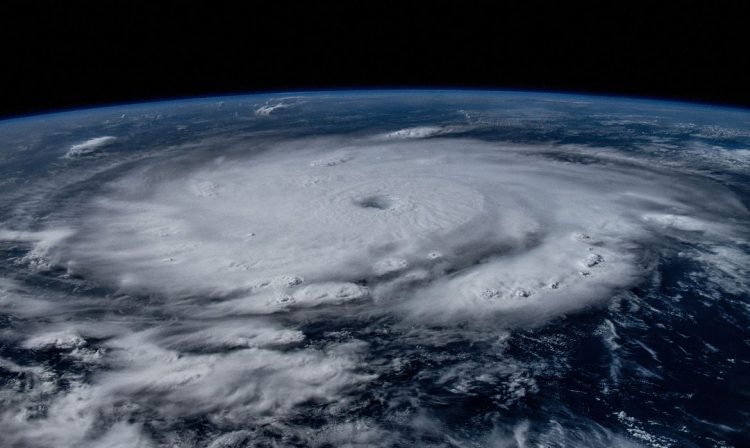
(88, 146)
(416, 132)
(279, 225)
(245, 386)
(42, 242)
(268, 109)
(283, 103)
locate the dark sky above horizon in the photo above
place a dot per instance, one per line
(56, 57)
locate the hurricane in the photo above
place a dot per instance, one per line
(450, 269)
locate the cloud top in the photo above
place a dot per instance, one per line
(89, 146)
(519, 231)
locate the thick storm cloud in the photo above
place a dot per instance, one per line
(441, 229)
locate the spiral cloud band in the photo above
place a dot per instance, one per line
(440, 229)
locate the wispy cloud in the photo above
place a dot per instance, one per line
(89, 146)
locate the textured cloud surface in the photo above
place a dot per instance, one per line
(305, 223)
(89, 146)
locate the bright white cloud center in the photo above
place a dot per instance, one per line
(466, 227)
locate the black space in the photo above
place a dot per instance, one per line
(56, 57)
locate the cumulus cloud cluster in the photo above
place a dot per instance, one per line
(218, 264)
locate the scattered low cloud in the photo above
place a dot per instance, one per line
(271, 107)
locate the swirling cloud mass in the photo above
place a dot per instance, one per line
(317, 221)
(265, 290)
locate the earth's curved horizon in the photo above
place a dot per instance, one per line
(261, 95)
(377, 268)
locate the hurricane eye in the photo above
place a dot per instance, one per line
(379, 202)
